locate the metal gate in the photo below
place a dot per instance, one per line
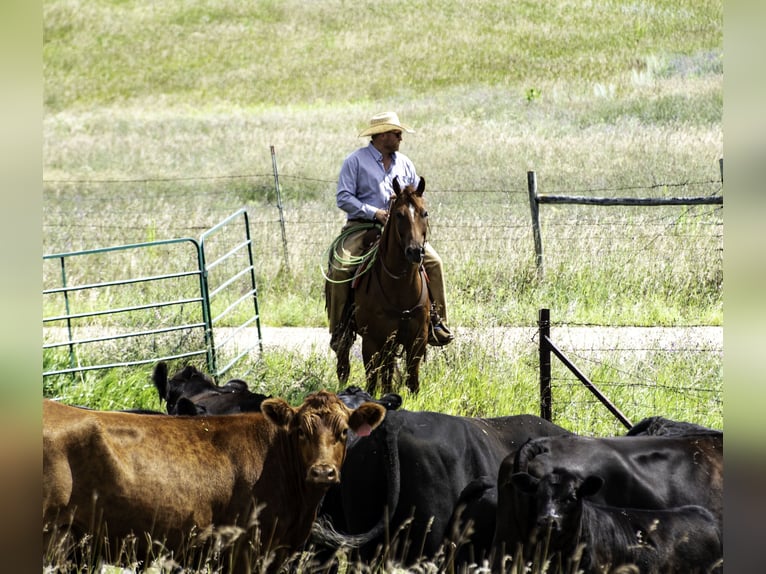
(99, 310)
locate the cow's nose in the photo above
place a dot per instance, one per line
(549, 522)
(324, 474)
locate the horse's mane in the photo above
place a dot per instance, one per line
(409, 194)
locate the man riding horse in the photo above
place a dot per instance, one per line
(365, 188)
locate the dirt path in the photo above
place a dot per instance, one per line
(509, 339)
(504, 340)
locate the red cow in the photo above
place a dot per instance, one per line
(167, 478)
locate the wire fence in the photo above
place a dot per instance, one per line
(484, 234)
(632, 373)
(489, 226)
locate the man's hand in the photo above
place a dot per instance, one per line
(381, 215)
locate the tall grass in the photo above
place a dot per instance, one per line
(299, 53)
(158, 121)
(157, 124)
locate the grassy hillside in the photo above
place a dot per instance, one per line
(163, 114)
(159, 117)
(494, 88)
(158, 122)
(266, 53)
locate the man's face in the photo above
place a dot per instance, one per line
(389, 141)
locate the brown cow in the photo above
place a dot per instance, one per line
(172, 477)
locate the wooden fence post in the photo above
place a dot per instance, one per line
(533, 206)
(544, 324)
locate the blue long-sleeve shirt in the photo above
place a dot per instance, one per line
(364, 186)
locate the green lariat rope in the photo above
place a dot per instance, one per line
(335, 261)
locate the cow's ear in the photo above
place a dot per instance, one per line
(391, 401)
(278, 411)
(590, 486)
(366, 417)
(186, 407)
(525, 482)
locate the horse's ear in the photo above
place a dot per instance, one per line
(421, 187)
(397, 187)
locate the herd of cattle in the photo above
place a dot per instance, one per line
(351, 471)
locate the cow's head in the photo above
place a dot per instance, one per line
(319, 429)
(558, 502)
(354, 396)
(187, 383)
(192, 392)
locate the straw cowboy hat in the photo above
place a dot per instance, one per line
(385, 122)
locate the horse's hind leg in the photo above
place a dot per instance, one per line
(388, 370)
(386, 361)
(372, 365)
(413, 372)
(343, 368)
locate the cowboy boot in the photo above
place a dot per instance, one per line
(438, 333)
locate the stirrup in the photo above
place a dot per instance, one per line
(438, 333)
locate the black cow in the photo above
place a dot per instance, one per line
(660, 426)
(649, 472)
(192, 392)
(679, 540)
(415, 466)
(472, 524)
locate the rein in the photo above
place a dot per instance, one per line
(404, 314)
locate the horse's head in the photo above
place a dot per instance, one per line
(409, 219)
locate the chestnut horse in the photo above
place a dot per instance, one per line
(391, 299)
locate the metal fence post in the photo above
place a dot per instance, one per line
(544, 324)
(68, 313)
(207, 317)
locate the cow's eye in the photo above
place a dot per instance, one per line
(344, 434)
(301, 434)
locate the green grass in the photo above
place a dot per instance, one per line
(303, 54)
(158, 120)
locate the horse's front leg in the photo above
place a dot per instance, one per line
(413, 375)
(414, 357)
(387, 369)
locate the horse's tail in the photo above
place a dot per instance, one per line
(323, 532)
